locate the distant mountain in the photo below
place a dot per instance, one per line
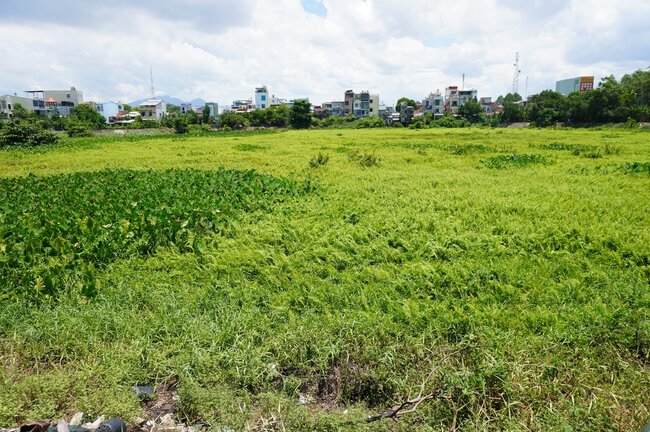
(198, 102)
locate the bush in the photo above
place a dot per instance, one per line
(448, 121)
(77, 128)
(370, 122)
(25, 133)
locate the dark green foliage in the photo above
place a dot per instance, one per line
(471, 111)
(20, 132)
(448, 121)
(370, 122)
(409, 102)
(88, 115)
(233, 120)
(274, 116)
(464, 149)
(319, 160)
(515, 161)
(300, 115)
(78, 128)
(180, 124)
(249, 147)
(636, 168)
(55, 231)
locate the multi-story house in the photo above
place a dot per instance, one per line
(434, 104)
(262, 98)
(455, 98)
(109, 109)
(153, 109)
(334, 108)
(362, 104)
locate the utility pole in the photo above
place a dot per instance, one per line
(153, 93)
(515, 79)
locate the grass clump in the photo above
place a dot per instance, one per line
(247, 147)
(319, 160)
(465, 149)
(365, 160)
(56, 231)
(515, 161)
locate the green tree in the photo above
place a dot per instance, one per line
(512, 112)
(20, 112)
(471, 110)
(129, 108)
(548, 108)
(88, 115)
(300, 115)
(233, 120)
(409, 102)
(205, 119)
(25, 132)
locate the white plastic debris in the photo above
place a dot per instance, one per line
(76, 419)
(94, 425)
(62, 426)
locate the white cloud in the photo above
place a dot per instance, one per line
(220, 50)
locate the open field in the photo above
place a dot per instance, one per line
(505, 273)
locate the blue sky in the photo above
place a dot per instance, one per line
(220, 50)
(315, 7)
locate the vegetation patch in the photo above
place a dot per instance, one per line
(465, 149)
(515, 161)
(55, 231)
(635, 168)
(364, 160)
(586, 151)
(319, 160)
(250, 147)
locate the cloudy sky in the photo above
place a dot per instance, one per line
(221, 49)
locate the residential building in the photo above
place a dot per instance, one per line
(153, 109)
(434, 104)
(334, 108)
(364, 104)
(214, 108)
(262, 98)
(487, 105)
(349, 102)
(385, 111)
(109, 109)
(406, 113)
(64, 98)
(242, 105)
(571, 85)
(8, 104)
(185, 108)
(124, 117)
(455, 98)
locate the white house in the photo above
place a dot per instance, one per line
(153, 109)
(109, 109)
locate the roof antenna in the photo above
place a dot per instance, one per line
(153, 93)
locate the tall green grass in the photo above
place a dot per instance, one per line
(518, 296)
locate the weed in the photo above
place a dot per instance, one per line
(635, 168)
(249, 147)
(365, 160)
(515, 161)
(319, 160)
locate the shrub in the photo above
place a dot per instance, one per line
(370, 122)
(448, 121)
(25, 133)
(78, 128)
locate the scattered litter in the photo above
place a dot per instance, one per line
(94, 425)
(76, 419)
(35, 426)
(113, 425)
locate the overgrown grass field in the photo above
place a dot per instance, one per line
(308, 280)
